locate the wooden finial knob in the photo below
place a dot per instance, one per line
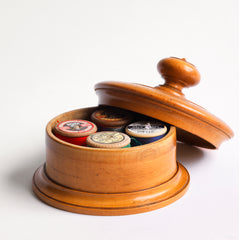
(178, 73)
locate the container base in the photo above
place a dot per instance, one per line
(73, 200)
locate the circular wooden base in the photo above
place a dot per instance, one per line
(110, 203)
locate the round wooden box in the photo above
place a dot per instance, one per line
(130, 180)
(109, 181)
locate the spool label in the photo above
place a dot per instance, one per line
(110, 115)
(145, 127)
(77, 126)
(108, 137)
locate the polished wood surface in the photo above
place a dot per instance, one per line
(195, 125)
(131, 180)
(109, 204)
(109, 181)
(109, 170)
(178, 74)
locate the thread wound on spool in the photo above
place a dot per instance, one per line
(74, 131)
(144, 132)
(111, 119)
(108, 139)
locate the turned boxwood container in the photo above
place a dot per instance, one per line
(101, 181)
(109, 181)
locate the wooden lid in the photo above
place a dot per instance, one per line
(195, 125)
(108, 139)
(75, 128)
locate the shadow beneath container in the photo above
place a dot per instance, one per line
(21, 177)
(189, 155)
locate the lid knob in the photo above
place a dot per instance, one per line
(178, 73)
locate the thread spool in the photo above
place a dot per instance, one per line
(111, 119)
(75, 131)
(108, 139)
(144, 132)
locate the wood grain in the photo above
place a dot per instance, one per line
(196, 126)
(109, 181)
(110, 203)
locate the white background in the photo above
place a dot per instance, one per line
(52, 53)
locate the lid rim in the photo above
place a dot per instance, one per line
(177, 105)
(154, 102)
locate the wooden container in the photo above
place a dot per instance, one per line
(129, 180)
